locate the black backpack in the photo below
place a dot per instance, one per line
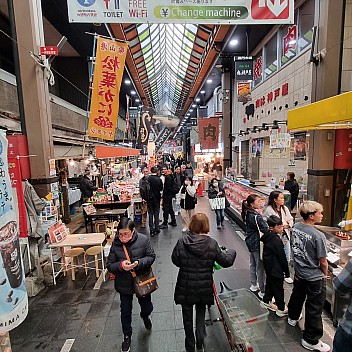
(175, 188)
(144, 189)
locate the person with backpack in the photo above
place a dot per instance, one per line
(156, 189)
(144, 191)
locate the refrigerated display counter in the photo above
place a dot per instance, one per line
(238, 191)
(339, 248)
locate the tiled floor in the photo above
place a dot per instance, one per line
(74, 310)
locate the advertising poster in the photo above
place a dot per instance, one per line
(108, 70)
(13, 294)
(300, 146)
(172, 11)
(257, 147)
(244, 92)
(280, 140)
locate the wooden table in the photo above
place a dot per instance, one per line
(78, 240)
(111, 215)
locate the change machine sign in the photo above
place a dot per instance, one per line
(181, 11)
(13, 294)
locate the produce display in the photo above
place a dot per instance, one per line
(127, 191)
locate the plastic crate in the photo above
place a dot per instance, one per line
(244, 316)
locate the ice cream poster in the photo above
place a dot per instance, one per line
(13, 294)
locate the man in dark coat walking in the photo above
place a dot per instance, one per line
(156, 188)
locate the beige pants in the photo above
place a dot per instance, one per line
(186, 216)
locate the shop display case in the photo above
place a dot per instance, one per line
(339, 247)
(238, 191)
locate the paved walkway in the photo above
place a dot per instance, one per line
(77, 314)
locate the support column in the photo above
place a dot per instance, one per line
(30, 36)
(326, 81)
(227, 115)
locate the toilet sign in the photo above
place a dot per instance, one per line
(49, 50)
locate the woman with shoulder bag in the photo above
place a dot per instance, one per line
(187, 201)
(217, 190)
(276, 206)
(141, 257)
(194, 255)
(255, 225)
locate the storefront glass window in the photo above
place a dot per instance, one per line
(271, 63)
(306, 23)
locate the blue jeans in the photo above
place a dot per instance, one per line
(126, 310)
(342, 341)
(287, 248)
(220, 214)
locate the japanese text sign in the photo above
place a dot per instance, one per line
(162, 137)
(290, 40)
(108, 70)
(244, 70)
(49, 50)
(343, 149)
(181, 11)
(208, 132)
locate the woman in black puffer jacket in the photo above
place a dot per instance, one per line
(195, 254)
(142, 257)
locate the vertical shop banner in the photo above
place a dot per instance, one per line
(208, 134)
(144, 129)
(108, 70)
(343, 150)
(300, 146)
(127, 113)
(13, 294)
(161, 139)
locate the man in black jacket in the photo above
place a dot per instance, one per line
(275, 265)
(292, 186)
(156, 189)
(168, 194)
(86, 186)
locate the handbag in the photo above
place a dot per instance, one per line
(217, 203)
(261, 244)
(144, 284)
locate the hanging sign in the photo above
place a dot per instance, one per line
(244, 92)
(49, 50)
(208, 134)
(13, 294)
(144, 129)
(172, 11)
(244, 70)
(127, 113)
(161, 139)
(108, 70)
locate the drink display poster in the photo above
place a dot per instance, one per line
(13, 294)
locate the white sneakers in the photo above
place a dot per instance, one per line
(261, 295)
(254, 288)
(293, 322)
(288, 280)
(282, 313)
(320, 346)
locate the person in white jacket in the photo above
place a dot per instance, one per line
(276, 206)
(187, 201)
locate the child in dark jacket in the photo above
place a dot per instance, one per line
(275, 265)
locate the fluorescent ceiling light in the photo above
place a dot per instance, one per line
(233, 42)
(137, 100)
(209, 80)
(188, 114)
(194, 106)
(202, 91)
(198, 99)
(133, 92)
(191, 110)
(127, 81)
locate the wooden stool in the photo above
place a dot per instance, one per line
(72, 253)
(101, 225)
(95, 250)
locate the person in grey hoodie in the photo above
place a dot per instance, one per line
(195, 254)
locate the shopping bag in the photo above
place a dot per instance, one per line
(217, 203)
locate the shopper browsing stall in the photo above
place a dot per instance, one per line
(195, 254)
(86, 186)
(142, 257)
(276, 206)
(311, 267)
(255, 224)
(275, 265)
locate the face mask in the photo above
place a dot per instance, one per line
(215, 184)
(187, 183)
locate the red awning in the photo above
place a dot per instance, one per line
(103, 152)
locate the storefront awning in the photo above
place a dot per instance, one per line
(102, 152)
(330, 113)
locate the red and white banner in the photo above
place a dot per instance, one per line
(208, 133)
(127, 113)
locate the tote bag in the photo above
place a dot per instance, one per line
(217, 203)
